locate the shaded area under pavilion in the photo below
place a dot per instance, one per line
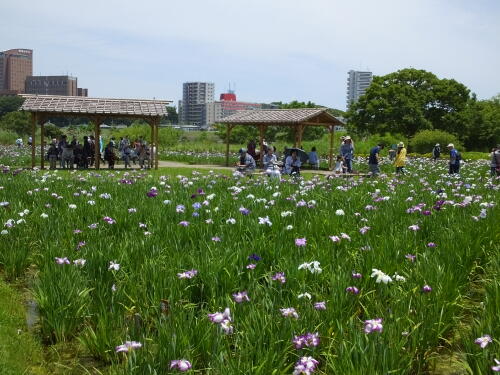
(299, 119)
(97, 110)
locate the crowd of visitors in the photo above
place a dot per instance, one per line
(73, 154)
(292, 161)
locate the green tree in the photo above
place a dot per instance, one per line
(52, 131)
(482, 124)
(10, 104)
(173, 116)
(18, 122)
(408, 101)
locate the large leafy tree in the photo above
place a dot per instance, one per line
(482, 119)
(10, 103)
(408, 101)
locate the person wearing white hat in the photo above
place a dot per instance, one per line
(400, 160)
(436, 152)
(454, 159)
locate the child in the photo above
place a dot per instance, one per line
(339, 165)
(109, 155)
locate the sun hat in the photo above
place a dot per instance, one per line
(346, 138)
(450, 145)
(437, 144)
(401, 144)
(243, 150)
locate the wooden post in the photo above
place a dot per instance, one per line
(301, 130)
(33, 136)
(42, 136)
(228, 134)
(153, 144)
(262, 130)
(97, 146)
(157, 142)
(330, 152)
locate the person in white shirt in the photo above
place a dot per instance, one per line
(339, 165)
(292, 164)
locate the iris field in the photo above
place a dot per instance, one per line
(214, 274)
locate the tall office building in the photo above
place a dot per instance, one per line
(15, 66)
(357, 83)
(52, 85)
(195, 97)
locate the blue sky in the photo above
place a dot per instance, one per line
(271, 49)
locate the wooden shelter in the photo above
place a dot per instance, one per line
(299, 119)
(44, 107)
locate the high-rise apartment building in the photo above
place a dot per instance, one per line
(15, 66)
(195, 97)
(357, 83)
(52, 85)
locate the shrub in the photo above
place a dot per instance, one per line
(425, 140)
(7, 137)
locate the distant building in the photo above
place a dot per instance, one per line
(195, 97)
(54, 85)
(82, 92)
(357, 83)
(228, 105)
(15, 66)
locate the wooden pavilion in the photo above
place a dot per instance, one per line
(299, 119)
(44, 107)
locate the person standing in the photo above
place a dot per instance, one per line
(86, 153)
(52, 153)
(19, 142)
(30, 141)
(374, 159)
(436, 152)
(313, 158)
(400, 160)
(347, 153)
(495, 161)
(454, 159)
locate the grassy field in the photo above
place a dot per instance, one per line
(134, 270)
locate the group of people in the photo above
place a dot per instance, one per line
(291, 166)
(82, 155)
(292, 163)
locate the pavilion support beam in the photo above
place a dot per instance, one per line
(42, 144)
(153, 144)
(262, 132)
(157, 131)
(299, 129)
(228, 135)
(33, 136)
(97, 145)
(330, 151)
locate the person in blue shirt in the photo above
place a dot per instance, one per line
(374, 159)
(246, 163)
(313, 158)
(454, 159)
(347, 152)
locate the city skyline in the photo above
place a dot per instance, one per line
(283, 57)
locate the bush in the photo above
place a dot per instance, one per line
(166, 136)
(52, 131)
(7, 137)
(425, 140)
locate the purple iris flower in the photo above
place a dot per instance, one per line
(184, 223)
(307, 340)
(279, 276)
(254, 257)
(128, 346)
(300, 242)
(241, 297)
(426, 289)
(320, 305)
(373, 325)
(182, 365)
(152, 193)
(352, 290)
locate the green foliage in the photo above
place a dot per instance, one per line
(7, 137)
(482, 119)
(425, 140)
(167, 136)
(173, 116)
(10, 104)
(408, 101)
(52, 131)
(18, 122)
